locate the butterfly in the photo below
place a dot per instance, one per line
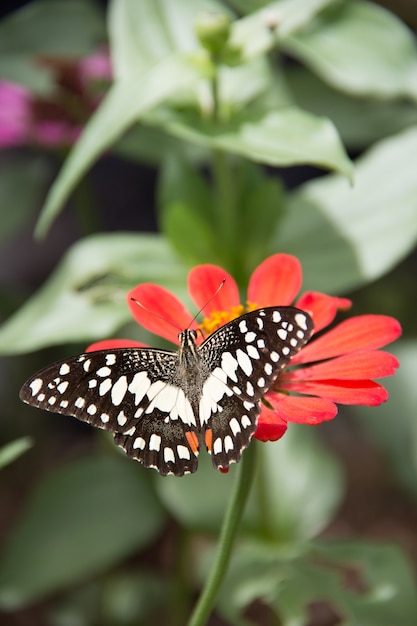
(159, 405)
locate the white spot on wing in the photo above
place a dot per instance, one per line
(244, 362)
(243, 326)
(110, 359)
(80, 403)
(155, 442)
(121, 419)
(276, 317)
(105, 386)
(104, 418)
(86, 365)
(92, 409)
(246, 421)
(64, 369)
(252, 351)
(139, 386)
(183, 452)
(229, 365)
(36, 385)
(138, 443)
(104, 371)
(118, 390)
(62, 387)
(301, 320)
(169, 455)
(228, 443)
(282, 334)
(235, 426)
(217, 446)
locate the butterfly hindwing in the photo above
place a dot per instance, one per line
(256, 347)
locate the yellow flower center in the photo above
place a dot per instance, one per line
(220, 318)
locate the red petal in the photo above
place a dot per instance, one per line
(354, 366)
(302, 409)
(364, 392)
(159, 311)
(204, 281)
(270, 426)
(276, 281)
(112, 344)
(363, 332)
(322, 308)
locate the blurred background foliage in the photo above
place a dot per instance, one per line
(114, 152)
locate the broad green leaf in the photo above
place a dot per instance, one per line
(143, 33)
(281, 138)
(124, 104)
(83, 519)
(364, 584)
(289, 473)
(360, 121)
(52, 28)
(397, 437)
(347, 236)
(198, 501)
(13, 450)
(85, 298)
(22, 184)
(25, 71)
(185, 200)
(125, 597)
(261, 31)
(347, 46)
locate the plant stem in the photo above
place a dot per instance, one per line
(228, 532)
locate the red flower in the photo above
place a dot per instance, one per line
(337, 367)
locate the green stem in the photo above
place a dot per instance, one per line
(228, 532)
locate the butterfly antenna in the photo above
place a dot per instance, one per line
(208, 302)
(161, 317)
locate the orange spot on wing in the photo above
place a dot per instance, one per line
(208, 437)
(192, 441)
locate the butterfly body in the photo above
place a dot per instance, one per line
(160, 404)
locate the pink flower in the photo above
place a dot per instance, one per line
(57, 119)
(336, 367)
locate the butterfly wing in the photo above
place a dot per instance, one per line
(129, 392)
(244, 358)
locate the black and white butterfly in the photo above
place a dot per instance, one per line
(159, 404)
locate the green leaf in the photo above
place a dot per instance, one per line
(347, 46)
(397, 438)
(346, 237)
(185, 199)
(22, 184)
(13, 450)
(198, 501)
(50, 28)
(83, 519)
(143, 33)
(282, 496)
(125, 102)
(360, 121)
(281, 138)
(261, 31)
(362, 583)
(85, 298)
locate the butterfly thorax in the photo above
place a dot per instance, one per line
(191, 373)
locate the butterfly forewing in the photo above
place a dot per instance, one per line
(244, 358)
(157, 403)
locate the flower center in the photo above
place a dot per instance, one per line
(220, 318)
